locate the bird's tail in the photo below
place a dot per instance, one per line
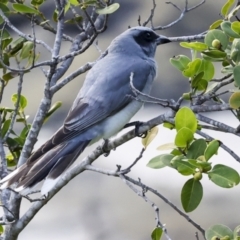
(48, 166)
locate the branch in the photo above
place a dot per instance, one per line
(222, 145)
(16, 110)
(220, 125)
(78, 168)
(150, 18)
(153, 205)
(140, 184)
(27, 37)
(211, 108)
(183, 12)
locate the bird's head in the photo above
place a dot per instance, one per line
(138, 40)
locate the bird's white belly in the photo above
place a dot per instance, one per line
(115, 123)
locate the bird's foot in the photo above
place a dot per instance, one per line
(137, 125)
(104, 147)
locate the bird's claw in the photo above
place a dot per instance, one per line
(137, 125)
(104, 147)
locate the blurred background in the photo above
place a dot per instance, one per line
(94, 206)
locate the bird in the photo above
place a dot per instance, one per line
(103, 106)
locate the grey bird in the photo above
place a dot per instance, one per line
(102, 108)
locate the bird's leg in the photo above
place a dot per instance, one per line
(104, 147)
(137, 125)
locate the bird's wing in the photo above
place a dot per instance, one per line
(106, 90)
(109, 93)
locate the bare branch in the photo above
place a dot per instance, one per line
(153, 205)
(140, 184)
(16, 110)
(150, 18)
(183, 12)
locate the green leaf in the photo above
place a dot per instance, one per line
(236, 27)
(234, 100)
(208, 68)
(55, 16)
(109, 9)
(74, 2)
(224, 176)
(10, 75)
(192, 68)
(168, 125)
(235, 50)
(12, 142)
(226, 7)
(227, 70)
(196, 149)
(10, 160)
(236, 232)
(186, 118)
(196, 79)
(5, 42)
(152, 133)
(226, 27)
(216, 24)
(215, 54)
(4, 34)
(75, 20)
(198, 46)
(157, 233)
(191, 195)
(37, 3)
(160, 161)
(236, 75)
(5, 127)
(203, 166)
(211, 149)
(184, 167)
(26, 50)
(202, 85)
(24, 9)
(22, 103)
(25, 131)
(176, 152)
(183, 137)
(198, 82)
(1, 229)
(5, 60)
(180, 62)
(216, 34)
(5, 10)
(16, 45)
(219, 231)
(67, 6)
(52, 110)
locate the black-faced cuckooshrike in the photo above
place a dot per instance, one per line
(102, 108)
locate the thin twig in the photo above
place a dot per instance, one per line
(222, 145)
(183, 12)
(140, 184)
(153, 205)
(17, 106)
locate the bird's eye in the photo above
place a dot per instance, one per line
(148, 35)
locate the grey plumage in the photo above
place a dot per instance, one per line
(101, 109)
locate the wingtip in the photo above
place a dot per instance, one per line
(48, 185)
(5, 181)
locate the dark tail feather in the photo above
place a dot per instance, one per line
(50, 166)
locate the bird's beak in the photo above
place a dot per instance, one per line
(162, 40)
